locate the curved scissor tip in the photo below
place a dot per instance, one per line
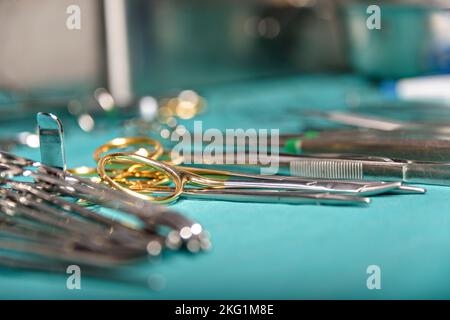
(365, 201)
(407, 189)
(379, 188)
(349, 201)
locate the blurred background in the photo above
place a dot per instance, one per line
(129, 58)
(152, 67)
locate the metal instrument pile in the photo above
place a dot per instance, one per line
(43, 224)
(51, 216)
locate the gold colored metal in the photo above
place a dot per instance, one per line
(178, 175)
(122, 143)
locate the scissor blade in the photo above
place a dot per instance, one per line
(267, 196)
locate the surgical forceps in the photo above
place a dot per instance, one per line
(351, 167)
(379, 123)
(324, 185)
(364, 168)
(182, 176)
(380, 145)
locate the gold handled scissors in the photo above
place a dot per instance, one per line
(182, 177)
(126, 172)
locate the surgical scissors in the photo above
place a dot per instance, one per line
(263, 196)
(181, 177)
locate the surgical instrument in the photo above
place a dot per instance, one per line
(263, 196)
(181, 177)
(362, 168)
(356, 187)
(53, 180)
(51, 139)
(401, 148)
(283, 196)
(379, 123)
(371, 168)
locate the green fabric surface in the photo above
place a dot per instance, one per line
(276, 251)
